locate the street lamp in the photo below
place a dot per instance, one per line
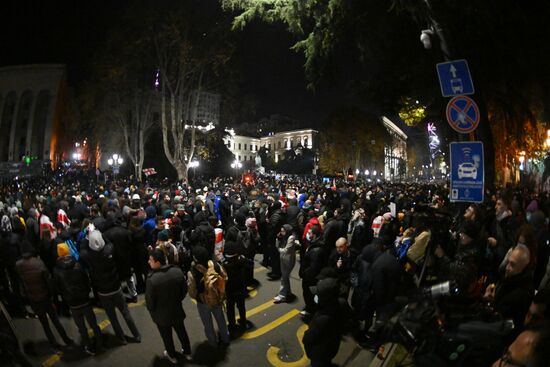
(115, 162)
(77, 156)
(194, 165)
(236, 165)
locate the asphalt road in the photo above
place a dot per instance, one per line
(273, 339)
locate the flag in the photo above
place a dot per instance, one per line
(63, 218)
(149, 171)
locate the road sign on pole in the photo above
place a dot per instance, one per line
(462, 114)
(467, 171)
(454, 78)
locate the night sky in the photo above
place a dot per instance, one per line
(70, 32)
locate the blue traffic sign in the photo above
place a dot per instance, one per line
(462, 114)
(454, 78)
(467, 173)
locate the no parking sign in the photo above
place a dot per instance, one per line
(462, 114)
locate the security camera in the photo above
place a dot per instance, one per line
(426, 38)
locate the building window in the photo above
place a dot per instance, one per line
(228, 144)
(239, 146)
(239, 158)
(244, 158)
(269, 146)
(291, 143)
(286, 143)
(306, 142)
(279, 144)
(245, 147)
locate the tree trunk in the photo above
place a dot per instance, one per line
(181, 169)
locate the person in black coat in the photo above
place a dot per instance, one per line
(139, 254)
(314, 259)
(166, 288)
(334, 228)
(235, 289)
(326, 328)
(276, 221)
(98, 257)
(512, 294)
(74, 285)
(124, 249)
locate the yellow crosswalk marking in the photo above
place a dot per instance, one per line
(54, 358)
(273, 353)
(272, 325)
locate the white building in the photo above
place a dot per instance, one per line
(395, 153)
(246, 148)
(208, 109)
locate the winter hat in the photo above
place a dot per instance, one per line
(533, 206)
(231, 248)
(200, 255)
(240, 219)
(95, 240)
(63, 250)
(151, 211)
(163, 235)
(326, 289)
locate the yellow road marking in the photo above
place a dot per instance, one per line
(259, 309)
(273, 352)
(272, 325)
(54, 358)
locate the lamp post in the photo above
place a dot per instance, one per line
(194, 165)
(236, 165)
(521, 166)
(115, 162)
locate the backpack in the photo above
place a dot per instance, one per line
(243, 239)
(214, 285)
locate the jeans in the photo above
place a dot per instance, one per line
(231, 302)
(86, 313)
(43, 309)
(166, 335)
(206, 314)
(113, 301)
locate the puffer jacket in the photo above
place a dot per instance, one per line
(35, 277)
(72, 282)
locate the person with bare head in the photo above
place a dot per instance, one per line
(512, 294)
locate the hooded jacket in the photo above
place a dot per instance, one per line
(72, 282)
(100, 261)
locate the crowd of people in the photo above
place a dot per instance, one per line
(69, 244)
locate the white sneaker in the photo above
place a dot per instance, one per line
(279, 299)
(304, 313)
(188, 356)
(171, 359)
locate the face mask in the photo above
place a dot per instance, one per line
(316, 299)
(308, 236)
(528, 216)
